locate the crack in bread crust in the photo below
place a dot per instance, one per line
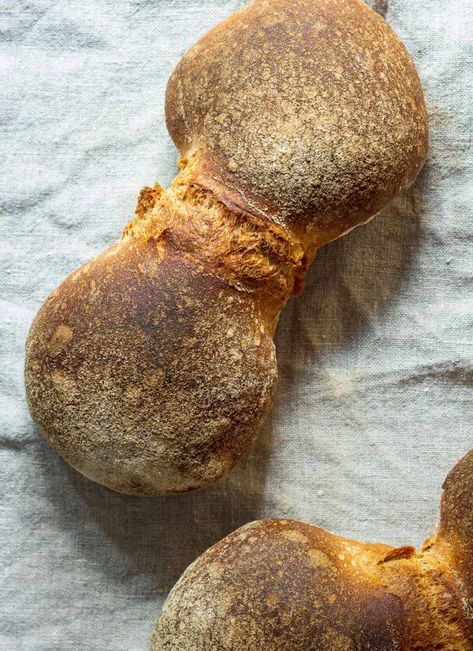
(249, 252)
(152, 367)
(429, 589)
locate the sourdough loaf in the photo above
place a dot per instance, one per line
(151, 369)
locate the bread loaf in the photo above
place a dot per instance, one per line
(151, 369)
(281, 585)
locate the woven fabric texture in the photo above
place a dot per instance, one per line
(375, 399)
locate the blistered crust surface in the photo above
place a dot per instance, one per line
(307, 111)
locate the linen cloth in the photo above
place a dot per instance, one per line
(375, 396)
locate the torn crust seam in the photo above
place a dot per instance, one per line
(246, 251)
(436, 586)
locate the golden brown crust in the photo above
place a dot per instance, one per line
(307, 112)
(434, 617)
(281, 585)
(243, 250)
(455, 536)
(148, 374)
(152, 368)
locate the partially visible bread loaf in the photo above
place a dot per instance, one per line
(281, 585)
(151, 368)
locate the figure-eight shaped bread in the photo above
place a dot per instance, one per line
(151, 368)
(281, 585)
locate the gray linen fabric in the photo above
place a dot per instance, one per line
(375, 397)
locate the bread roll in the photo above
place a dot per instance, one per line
(151, 369)
(281, 585)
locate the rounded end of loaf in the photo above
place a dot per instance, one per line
(454, 540)
(148, 374)
(281, 585)
(456, 510)
(310, 114)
